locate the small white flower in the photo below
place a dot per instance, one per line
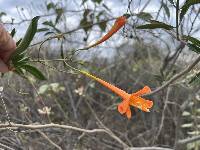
(79, 91)
(44, 111)
(1, 88)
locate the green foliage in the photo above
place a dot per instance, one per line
(194, 47)
(97, 1)
(34, 71)
(190, 123)
(86, 22)
(194, 40)
(24, 43)
(42, 30)
(186, 6)
(155, 25)
(13, 32)
(195, 79)
(51, 5)
(145, 16)
(19, 59)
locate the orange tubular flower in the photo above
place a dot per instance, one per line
(120, 22)
(134, 99)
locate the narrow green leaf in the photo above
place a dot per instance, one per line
(59, 12)
(42, 29)
(23, 45)
(193, 40)
(18, 58)
(195, 78)
(194, 47)
(48, 23)
(13, 32)
(17, 43)
(144, 16)
(155, 25)
(186, 6)
(34, 71)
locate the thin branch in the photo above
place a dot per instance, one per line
(49, 140)
(177, 19)
(189, 140)
(175, 77)
(7, 147)
(52, 125)
(148, 148)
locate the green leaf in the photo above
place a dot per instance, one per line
(196, 78)
(17, 43)
(42, 29)
(97, 1)
(155, 25)
(23, 45)
(48, 23)
(59, 12)
(186, 6)
(13, 32)
(103, 25)
(194, 47)
(171, 1)
(18, 58)
(193, 40)
(166, 9)
(144, 16)
(50, 5)
(86, 24)
(34, 71)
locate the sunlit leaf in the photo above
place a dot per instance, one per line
(186, 113)
(187, 125)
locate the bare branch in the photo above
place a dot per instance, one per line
(189, 140)
(148, 148)
(52, 125)
(174, 78)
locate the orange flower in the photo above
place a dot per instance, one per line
(134, 99)
(120, 22)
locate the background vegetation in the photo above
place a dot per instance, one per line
(70, 111)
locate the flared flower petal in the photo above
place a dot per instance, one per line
(143, 91)
(140, 103)
(123, 106)
(128, 112)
